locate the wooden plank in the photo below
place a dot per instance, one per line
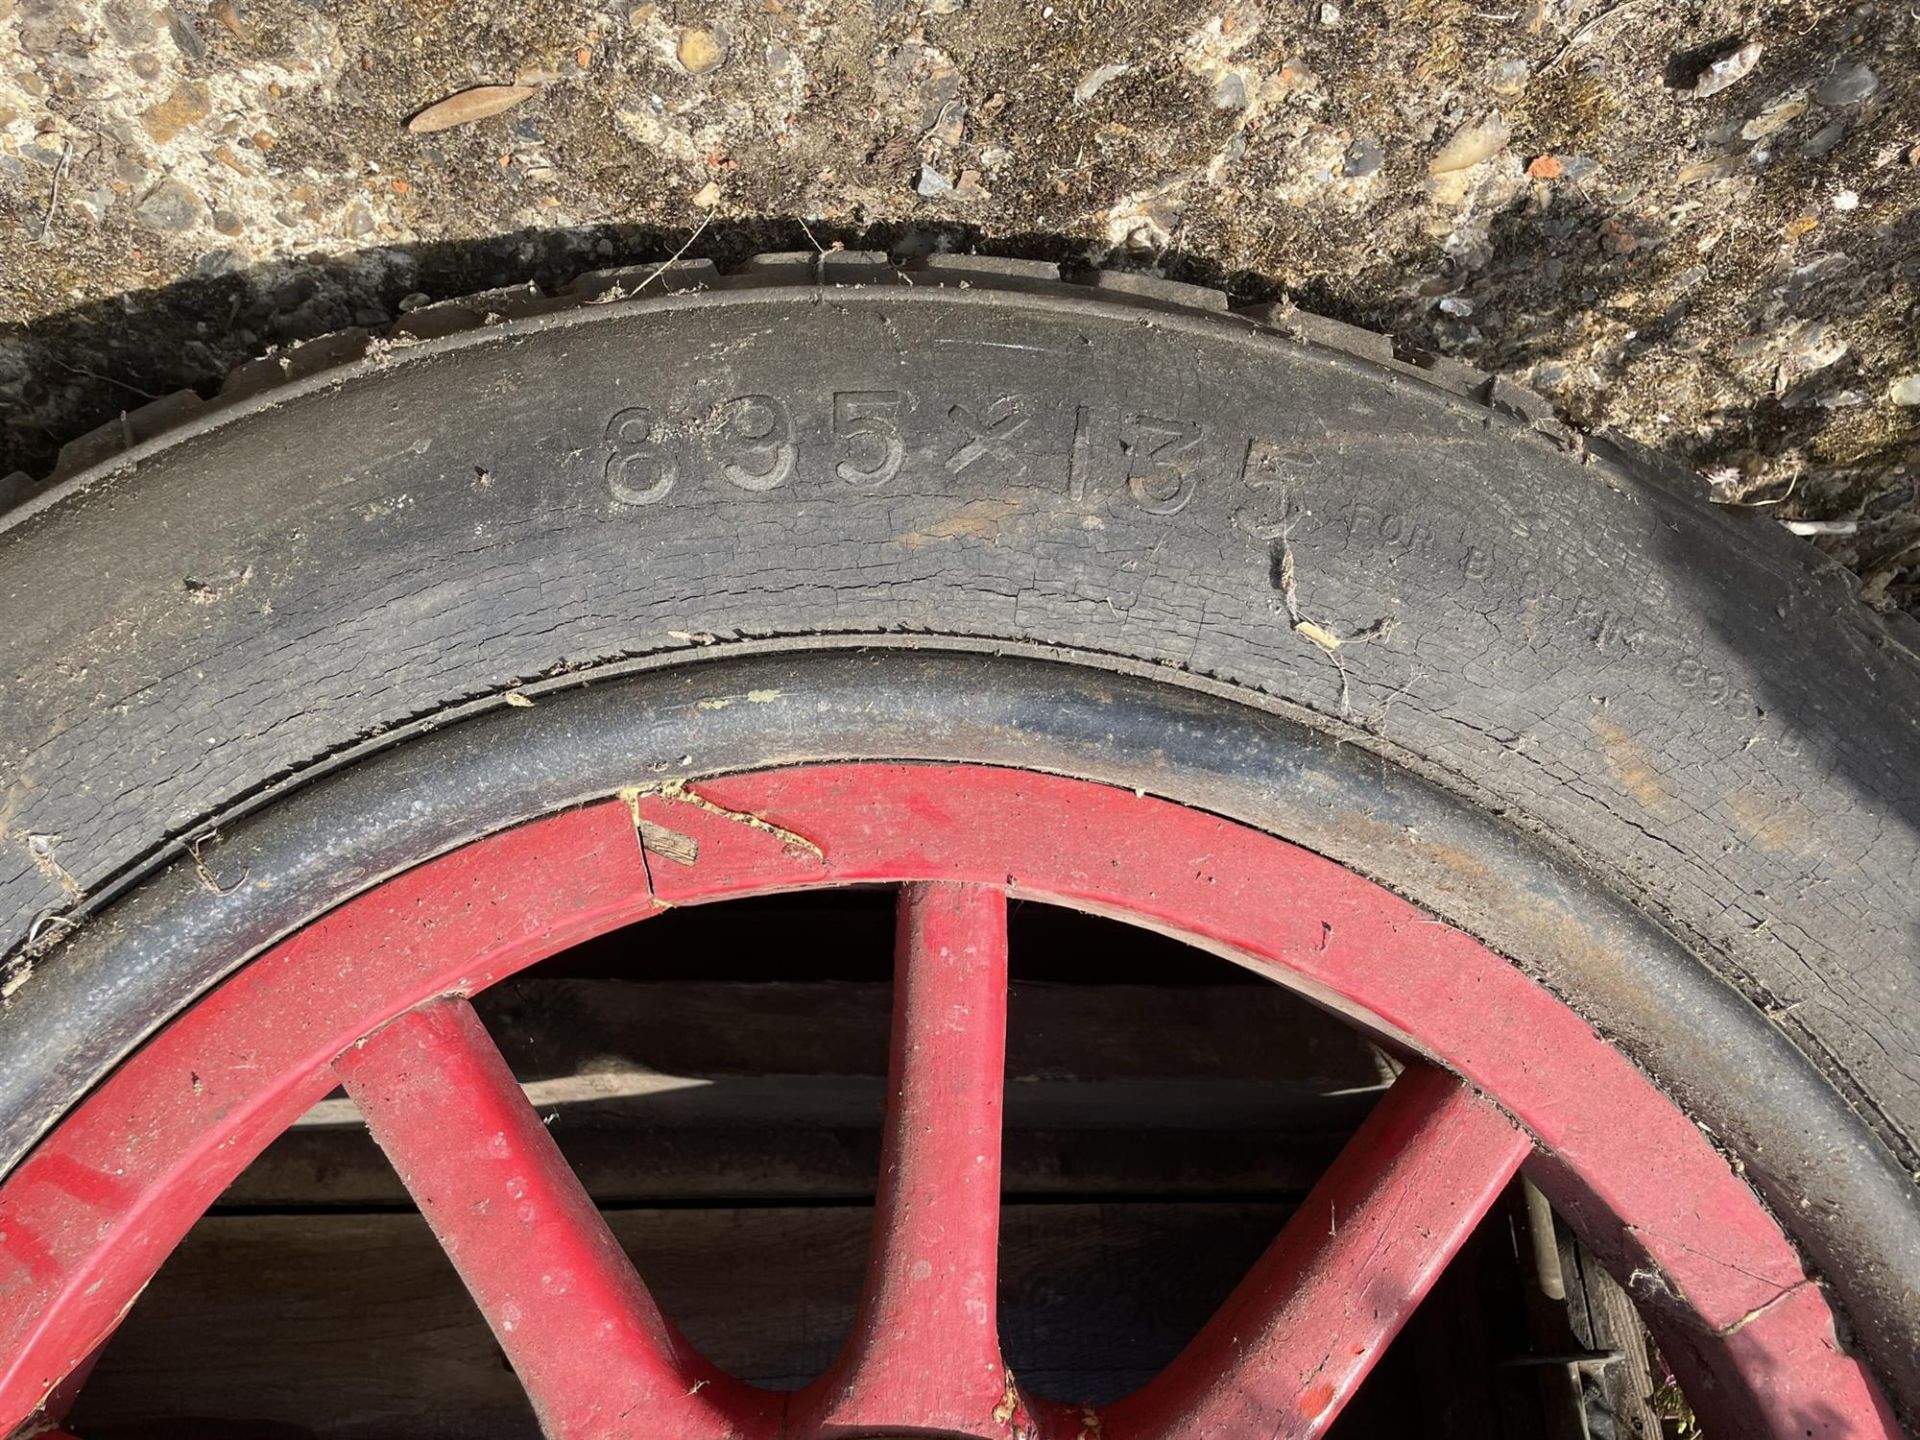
(562, 1026)
(620, 1098)
(1604, 1320)
(349, 1326)
(684, 1090)
(642, 1164)
(354, 1327)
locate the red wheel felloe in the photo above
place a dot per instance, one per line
(372, 996)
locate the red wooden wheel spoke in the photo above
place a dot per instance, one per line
(925, 1349)
(565, 1304)
(1292, 1343)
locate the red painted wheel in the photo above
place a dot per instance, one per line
(1499, 1075)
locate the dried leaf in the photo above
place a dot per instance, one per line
(1726, 70)
(1471, 145)
(1773, 117)
(468, 106)
(1718, 167)
(1096, 80)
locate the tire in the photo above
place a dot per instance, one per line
(1654, 752)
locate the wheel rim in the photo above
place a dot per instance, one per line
(371, 996)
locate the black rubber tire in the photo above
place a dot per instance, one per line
(1653, 751)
